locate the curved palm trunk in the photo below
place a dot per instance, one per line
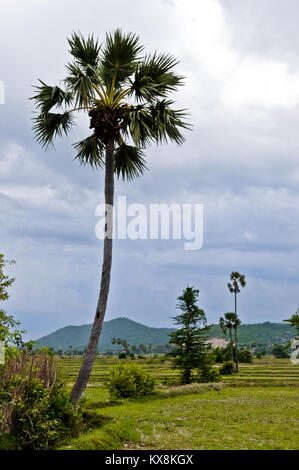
(236, 350)
(91, 351)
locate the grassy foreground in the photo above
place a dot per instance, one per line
(239, 418)
(241, 413)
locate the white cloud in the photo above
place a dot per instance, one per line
(240, 79)
(256, 81)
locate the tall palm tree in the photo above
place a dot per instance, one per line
(225, 324)
(125, 95)
(237, 281)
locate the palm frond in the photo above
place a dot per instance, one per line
(155, 78)
(119, 57)
(49, 125)
(90, 152)
(80, 82)
(47, 97)
(129, 162)
(85, 51)
(139, 125)
(167, 122)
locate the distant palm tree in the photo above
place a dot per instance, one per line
(225, 324)
(237, 281)
(126, 346)
(142, 348)
(125, 95)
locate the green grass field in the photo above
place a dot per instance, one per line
(256, 409)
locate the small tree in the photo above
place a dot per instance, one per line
(10, 334)
(294, 320)
(190, 340)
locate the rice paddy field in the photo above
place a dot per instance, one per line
(267, 371)
(255, 409)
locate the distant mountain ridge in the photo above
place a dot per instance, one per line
(135, 333)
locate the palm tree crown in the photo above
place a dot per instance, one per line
(226, 323)
(124, 93)
(237, 281)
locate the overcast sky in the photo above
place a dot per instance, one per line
(241, 63)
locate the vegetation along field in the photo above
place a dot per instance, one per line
(257, 409)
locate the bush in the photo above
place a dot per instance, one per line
(227, 368)
(129, 381)
(245, 356)
(35, 406)
(280, 352)
(43, 417)
(122, 355)
(208, 374)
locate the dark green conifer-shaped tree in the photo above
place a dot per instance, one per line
(191, 350)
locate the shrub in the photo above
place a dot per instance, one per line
(227, 368)
(245, 356)
(129, 381)
(279, 351)
(208, 374)
(122, 355)
(35, 406)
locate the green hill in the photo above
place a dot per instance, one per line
(136, 333)
(260, 333)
